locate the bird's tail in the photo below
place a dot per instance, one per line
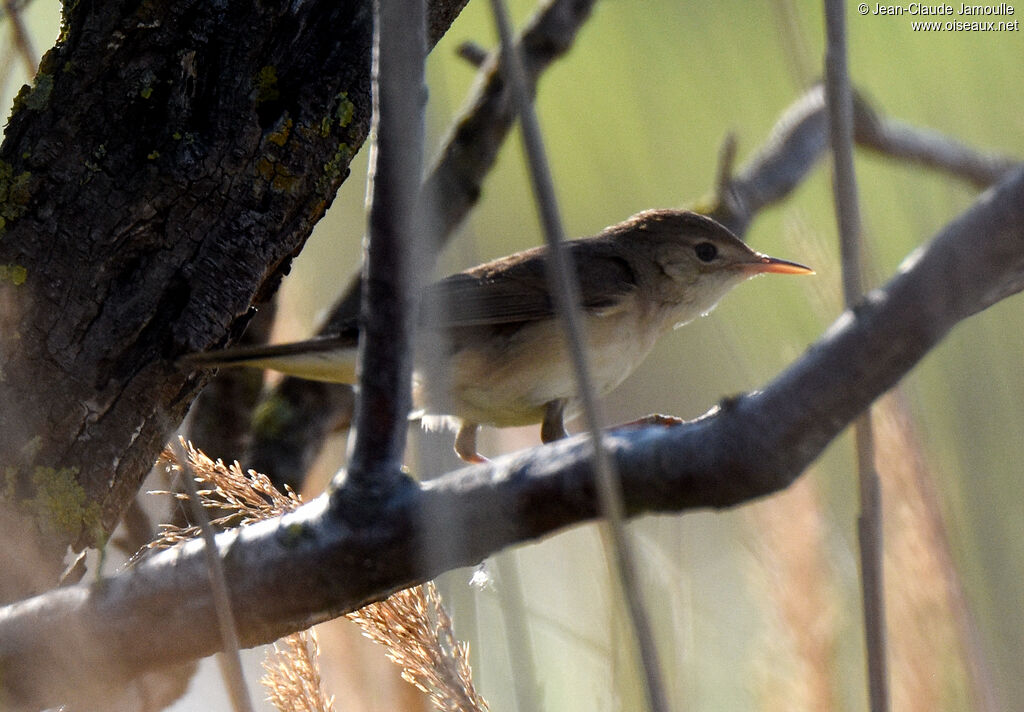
(326, 358)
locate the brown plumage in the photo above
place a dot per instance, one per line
(496, 352)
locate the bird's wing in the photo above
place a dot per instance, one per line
(514, 289)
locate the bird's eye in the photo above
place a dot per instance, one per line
(705, 251)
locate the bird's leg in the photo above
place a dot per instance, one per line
(553, 427)
(465, 443)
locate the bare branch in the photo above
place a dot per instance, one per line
(927, 148)
(312, 565)
(794, 146)
(472, 53)
(389, 280)
(799, 139)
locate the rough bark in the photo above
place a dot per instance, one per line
(156, 181)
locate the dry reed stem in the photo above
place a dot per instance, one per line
(933, 665)
(929, 662)
(794, 569)
(928, 643)
(797, 578)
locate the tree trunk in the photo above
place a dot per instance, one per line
(155, 182)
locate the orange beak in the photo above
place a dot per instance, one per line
(765, 264)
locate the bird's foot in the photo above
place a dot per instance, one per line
(553, 427)
(652, 419)
(465, 444)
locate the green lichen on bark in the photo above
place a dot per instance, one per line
(280, 137)
(60, 505)
(13, 274)
(336, 169)
(342, 114)
(15, 192)
(38, 96)
(266, 85)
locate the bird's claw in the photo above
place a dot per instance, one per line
(652, 419)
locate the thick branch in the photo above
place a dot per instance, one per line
(311, 565)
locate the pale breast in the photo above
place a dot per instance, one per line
(510, 385)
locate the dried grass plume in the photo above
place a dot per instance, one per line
(416, 631)
(292, 677)
(412, 625)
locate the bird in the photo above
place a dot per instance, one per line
(497, 355)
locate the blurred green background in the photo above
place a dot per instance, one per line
(756, 608)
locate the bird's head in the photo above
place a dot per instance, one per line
(691, 260)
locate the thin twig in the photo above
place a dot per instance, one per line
(472, 53)
(726, 167)
(565, 290)
(20, 34)
(389, 282)
(229, 660)
(800, 137)
(869, 523)
(931, 149)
